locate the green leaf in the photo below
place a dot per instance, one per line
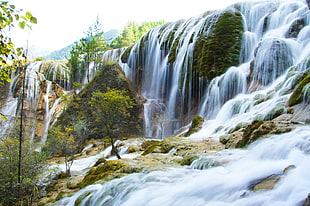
(33, 20)
(16, 17)
(22, 24)
(28, 14)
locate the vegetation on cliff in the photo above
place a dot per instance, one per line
(220, 49)
(79, 109)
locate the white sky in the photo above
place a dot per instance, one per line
(61, 22)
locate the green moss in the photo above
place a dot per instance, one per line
(151, 148)
(238, 127)
(297, 95)
(80, 198)
(168, 43)
(188, 159)
(125, 54)
(147, 143)
(105, 171)
(196, 126)
(217, 51)
(171, 142)
(247, 134)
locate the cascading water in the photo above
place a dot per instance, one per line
(274, 54)
(229, 184)
(42, 96)
(162, 63)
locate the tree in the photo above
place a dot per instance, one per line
(88, 49)
(111, 111)
(62, 143)
(11, 57)
(132, 32)
(33, 164)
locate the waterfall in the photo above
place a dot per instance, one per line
(273, 58)
(275, 37)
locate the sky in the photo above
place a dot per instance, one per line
(62, 22)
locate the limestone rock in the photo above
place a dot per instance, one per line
(254, 131)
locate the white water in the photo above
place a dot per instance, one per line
(84, 164)
(228, 184)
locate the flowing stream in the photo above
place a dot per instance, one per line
(228, 184)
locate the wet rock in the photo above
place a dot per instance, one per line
(297, 95)
(100, 161)
(188, 159)
(109, 170)
(153, 148)
(225, 138)
(266, 183)
(257, 129)
(307, 201)
(295, 28)
(195, 126)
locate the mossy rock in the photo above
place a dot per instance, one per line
(278, 110)
(188, 159)
(215, 52)
(172, 142)
(81, 198)
(239, 126)
(100, 161)
(125, 54)
(107, 171)
(225, 138)
(247, 134)
(297, 95)
(145, 144)
(261, 129)
(151, 148)
(196, 126)
(132, 149)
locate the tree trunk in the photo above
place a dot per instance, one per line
(114, 149)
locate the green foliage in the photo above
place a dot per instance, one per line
(61, 142)
(132, 32)
(111, 111)
(86, 50)
(11, 57)
(33, 164)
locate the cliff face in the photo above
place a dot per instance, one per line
(40, 86)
